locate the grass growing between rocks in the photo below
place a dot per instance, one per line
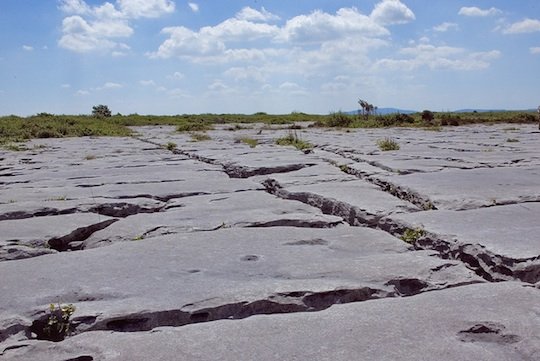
(293, 139)
(387, 144)
(413, 235)
(15, 129)
(171, 146)
(249, 141)
(200, 137)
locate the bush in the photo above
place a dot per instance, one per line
(387, 144)
(339, 120)
(101, 111)
(427, 117)
(450, 119)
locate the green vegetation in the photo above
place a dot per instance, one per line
(413, 235)
(90, 157)
(15, 129)
(171, 146)
(293, 139)
(200, 137)
(387, 144)
(249, 141)
(101, 111)
(512, 140)
(58, 322)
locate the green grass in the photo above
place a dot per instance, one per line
(15, 129)
(249, 141)
(293, 139)
(413, 235)
(200, 137)
(387, 144)
(171, 146)
(512, 140)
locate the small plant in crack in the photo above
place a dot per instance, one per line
(412, 235)
(387, 144)
(90, 157)
(512, 140)
(140, 237)
(200, 137)
(171, 146)
(57, 324)
(293, 139)
(249, 141)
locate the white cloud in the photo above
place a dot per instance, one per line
(65, 86)
(535, 50)
(254, 73)
(98, 28)
(146, 8)
(27, 47)
(82, 92)
(82, 36)
(194, 7)
(445, 27)
(292, 88)
(439, 58)
(320, 26)
(110, 85)
(210, 40)
(475, 11)
(524, 26)
(251, 14)
(390, 12)
(78, 7)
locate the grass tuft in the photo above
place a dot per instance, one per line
(387, 144)
(293, 139)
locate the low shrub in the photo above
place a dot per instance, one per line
(387, 144)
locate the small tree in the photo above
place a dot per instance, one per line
(367, 108)
(101, 111)
(428, 116)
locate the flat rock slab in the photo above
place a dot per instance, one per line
(230, 273)
(38, 230)
(497, 322)
(357, 193)
(466, 189)
(207, 213)
(511, 231)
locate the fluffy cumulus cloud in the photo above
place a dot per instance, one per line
(251, 14)
(438, 58)
(475, 11)
(444, 27)
(99, 28)
(524, 26)
(320, 26)
(390, 12)
(145, 8)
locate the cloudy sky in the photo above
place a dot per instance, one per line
(275, 56)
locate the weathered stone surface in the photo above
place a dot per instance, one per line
(276, 239)
(470, 323)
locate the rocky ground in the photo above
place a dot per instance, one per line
(215, 250)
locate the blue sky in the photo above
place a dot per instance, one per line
(313, 56)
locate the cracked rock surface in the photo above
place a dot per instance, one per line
(218, 251)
